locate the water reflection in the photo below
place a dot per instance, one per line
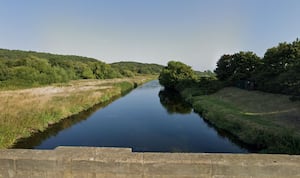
(138, 121)
(173, 102)
(38, 137)
(226, 135)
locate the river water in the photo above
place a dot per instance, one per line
(147, 119)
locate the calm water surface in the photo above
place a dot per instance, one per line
(147, 119)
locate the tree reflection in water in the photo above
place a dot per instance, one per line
(173, 102)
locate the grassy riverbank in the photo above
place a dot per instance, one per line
(23, 112)
(269, 122)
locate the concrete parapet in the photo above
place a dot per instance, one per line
(94, 162)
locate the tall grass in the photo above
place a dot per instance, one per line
(23, 112)
(268, 122)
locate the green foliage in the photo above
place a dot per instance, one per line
(236, 67)
(206, 74)
(177, 75)
(19, 69)
(3, 71)
(277, 72)
(173, 102)
(86, 72)
(125, 86)
(180, 77)
(280, 71)
(241, 116)
(209, 85)
(127, 73)
(129, 69)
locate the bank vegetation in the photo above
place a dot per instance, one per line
(38, 89)
(253, 99)
(25, 111)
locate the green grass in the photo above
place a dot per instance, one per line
(266, 121)
(125, 86)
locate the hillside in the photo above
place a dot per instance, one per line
(25, 69)
(129, 69)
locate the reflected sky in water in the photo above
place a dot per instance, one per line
(146, 119)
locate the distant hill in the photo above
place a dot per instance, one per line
(206, 74)
(21, 69)
(127, 68)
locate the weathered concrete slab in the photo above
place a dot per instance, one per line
(98, 149)
(90, 162)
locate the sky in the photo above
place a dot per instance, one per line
(196, 32)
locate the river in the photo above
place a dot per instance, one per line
(147, 119)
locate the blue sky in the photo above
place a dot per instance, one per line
(196, 32)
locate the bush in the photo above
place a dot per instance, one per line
(177, 76)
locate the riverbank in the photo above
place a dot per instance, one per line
(268, 122)
(23, 112)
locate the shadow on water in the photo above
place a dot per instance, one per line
(224, 134)
(174, 103)
(155, 131)
(38, 137)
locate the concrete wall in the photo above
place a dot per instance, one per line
(92, 162)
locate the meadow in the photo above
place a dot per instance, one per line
(25, 111)
(268, 122)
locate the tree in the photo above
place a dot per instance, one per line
(237, 67)
(87, 73)
(277, 59)
(224, 68)
(3, 71)
(28, 68)
(176, 75)
(136, 68)
(173, 102)
(279, 72)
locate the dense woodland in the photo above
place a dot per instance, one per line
(277, 72)
(130, 69)
(28, 68)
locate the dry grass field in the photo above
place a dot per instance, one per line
(25, 111)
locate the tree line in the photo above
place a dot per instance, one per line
(130, 69)
(278, 71)
(28, 68)
(179, 76)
